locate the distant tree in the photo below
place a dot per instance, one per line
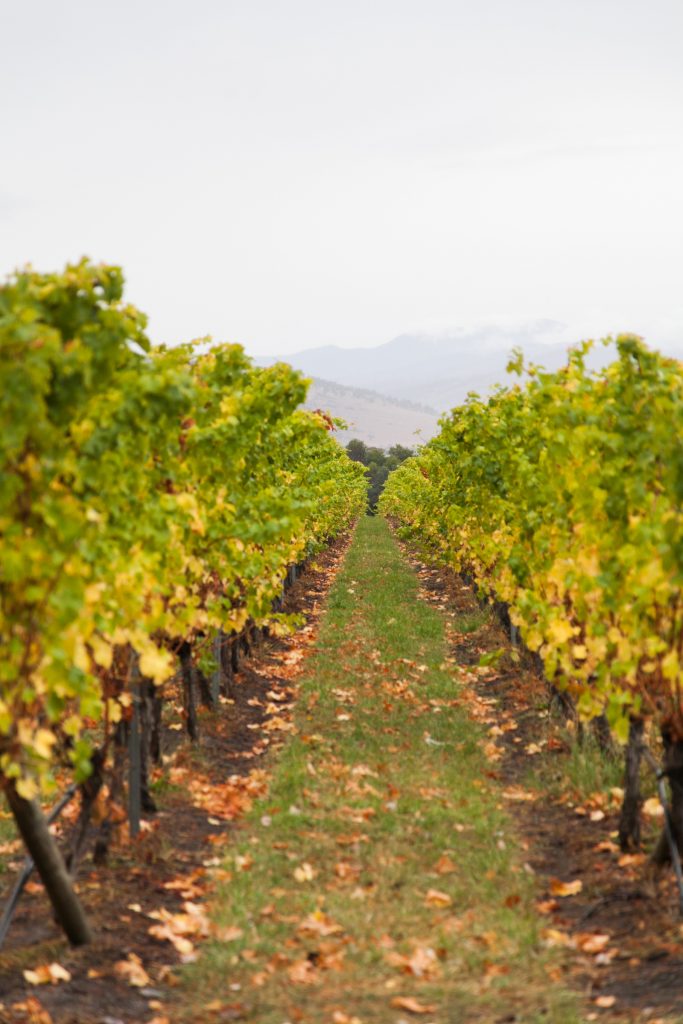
(400, 452)
(379, 464)
(357, 450)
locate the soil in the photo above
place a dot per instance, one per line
(640, 969)
(167, 864)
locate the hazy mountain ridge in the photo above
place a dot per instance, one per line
(437, 371)
(331, 387)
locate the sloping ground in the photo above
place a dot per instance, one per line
(377, 420)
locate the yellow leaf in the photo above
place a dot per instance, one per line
(27, 788)
(156, 664)
(101, 651)
(559, 631)
(43, 742)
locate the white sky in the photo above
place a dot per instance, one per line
(290, 174)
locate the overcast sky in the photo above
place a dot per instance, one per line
(289, 174)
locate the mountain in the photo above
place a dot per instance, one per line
(437, 370)
(378, 420)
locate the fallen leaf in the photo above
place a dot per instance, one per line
(652, 808)
(319, 923)
(37, 1014)
(422, 963)
(412, 1005)
(302, 972)
(133, 971)
(436, 898)
(228, 934)
(592, 942)
(556, 937)
(47, 974)
(631, 860)
(518, 794)
(304, 873)
(445, 866)
(606, 846)
(559, 888)
(604, 1002)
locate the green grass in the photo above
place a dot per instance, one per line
(470, 622)
(384, 778)
(590, 769)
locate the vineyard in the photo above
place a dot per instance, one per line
(561, 500)
(154, 502)
(386, 756)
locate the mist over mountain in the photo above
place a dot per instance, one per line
(438, 370)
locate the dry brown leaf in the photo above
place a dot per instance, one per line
(606, 846)
(422, 963)
(305, 872)
(605, 1002)
(229, 933)
(632, 860)
(559, 888)
(350, 840)
(413, 1005)
(302, 972)
(592, 942)
(319, 923)
(445, 866)
(47, 974)
(555, 937)
(133, 971)
(37, 1014)
(518, 794)
(436, 898)
(652, 808)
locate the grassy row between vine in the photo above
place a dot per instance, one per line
(379, 878)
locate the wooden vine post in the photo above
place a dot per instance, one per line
(50, 865)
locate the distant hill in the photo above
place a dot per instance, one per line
(436, 370)
(378, 420)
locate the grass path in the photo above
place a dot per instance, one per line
(379, 879)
